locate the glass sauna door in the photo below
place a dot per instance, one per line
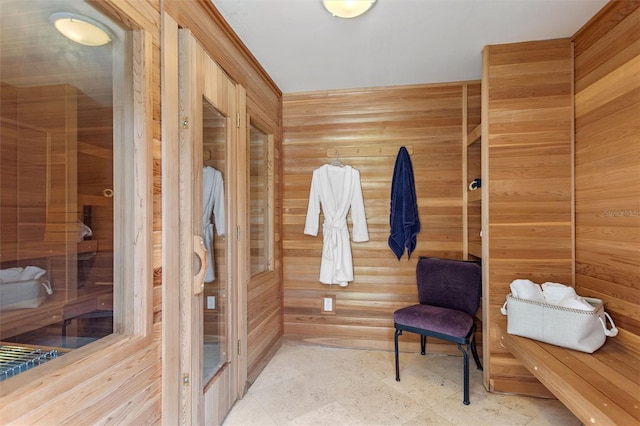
(215, 315)
(208, 255)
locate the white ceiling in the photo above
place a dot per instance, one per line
(303, 48)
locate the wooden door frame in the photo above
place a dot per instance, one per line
(171, 383)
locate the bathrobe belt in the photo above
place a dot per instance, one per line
(332, 249)
(207, 236)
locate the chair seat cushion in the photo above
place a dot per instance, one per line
(434, 318)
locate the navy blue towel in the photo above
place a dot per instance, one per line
(403, 219)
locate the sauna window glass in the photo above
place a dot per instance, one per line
(62, 116)
(215, 326)
(260, 192)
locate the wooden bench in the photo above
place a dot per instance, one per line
(602, 388)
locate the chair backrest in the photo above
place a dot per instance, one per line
(454, 284)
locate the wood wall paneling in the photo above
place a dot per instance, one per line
(527, 181)
(365, 128)
(607, 114)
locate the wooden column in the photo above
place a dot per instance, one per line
(527, 166)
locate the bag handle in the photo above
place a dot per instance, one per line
(503, 310)
(613, 331)
(47, 286)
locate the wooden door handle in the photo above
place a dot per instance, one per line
(201, 252)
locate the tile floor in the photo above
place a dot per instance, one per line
(314, 385)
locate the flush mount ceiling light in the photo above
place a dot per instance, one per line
(81, 29)
(347, 8)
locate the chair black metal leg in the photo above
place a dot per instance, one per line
(474, 351)
(472, 344)
(395, 340)
(423, 344)
(465, 356)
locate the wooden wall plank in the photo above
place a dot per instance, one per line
(608, 35)
(608, 161)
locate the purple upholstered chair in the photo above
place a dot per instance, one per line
(449, 293)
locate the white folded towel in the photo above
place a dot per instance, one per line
(31, 273)
(83, 231)
(526, 289)
(565, 296)
(21, 274)
(554, 293)
(550, 293)
(577, 303)
(11, 274)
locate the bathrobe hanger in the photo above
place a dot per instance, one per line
(337, 162)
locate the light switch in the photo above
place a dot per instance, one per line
(211, 302)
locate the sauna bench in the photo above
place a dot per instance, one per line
(53, 310)
(602, 388)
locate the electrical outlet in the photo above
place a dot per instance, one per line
(211, 302)
(328, 304)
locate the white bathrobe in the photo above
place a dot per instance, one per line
(212, 202)
(337, 189)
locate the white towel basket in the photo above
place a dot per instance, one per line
(23, 288)
(584, 331)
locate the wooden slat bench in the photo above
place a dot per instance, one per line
(602, 388)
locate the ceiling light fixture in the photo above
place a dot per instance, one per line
(81, 29)
(347, 8)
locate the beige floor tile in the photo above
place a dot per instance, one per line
(273, 375)
(426, 389)
(331, 414)
(426, 418)
(341, 381)
(248, 412)
(554, 413)
(381, 405)
(291, 398)
(528, 406)
(481, 411)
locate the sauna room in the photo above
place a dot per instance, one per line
(57, 187)
(162, 245)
